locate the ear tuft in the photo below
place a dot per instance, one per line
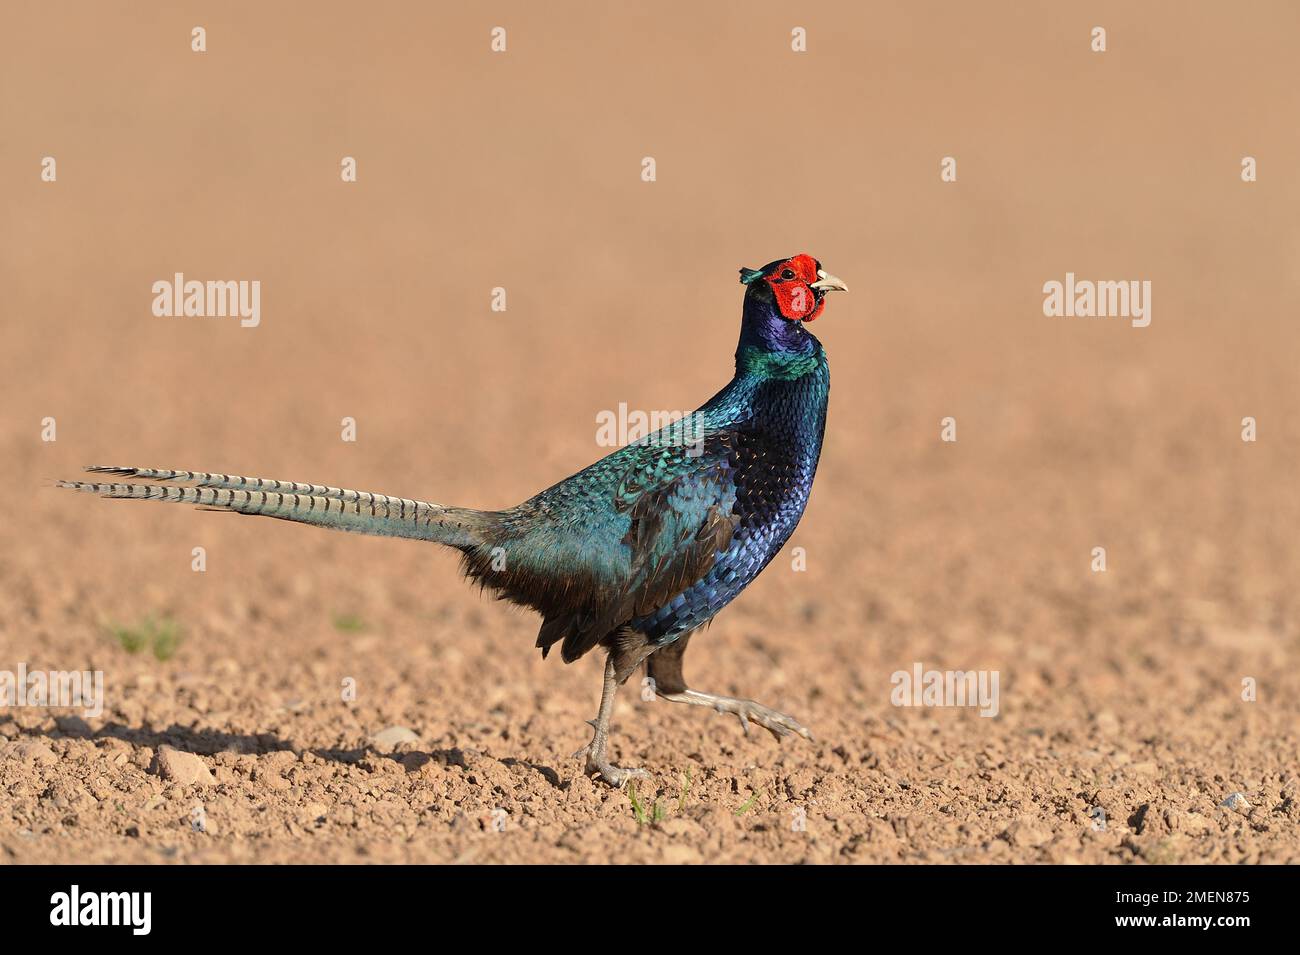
(749, 275)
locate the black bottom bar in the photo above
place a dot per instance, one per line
(329, 905)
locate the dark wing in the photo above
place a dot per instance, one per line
(620, 538)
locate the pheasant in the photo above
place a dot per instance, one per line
(636, 552)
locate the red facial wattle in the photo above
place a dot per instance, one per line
(795, 298)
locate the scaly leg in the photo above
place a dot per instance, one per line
(597, 762)
(778, 724)
(665, 668)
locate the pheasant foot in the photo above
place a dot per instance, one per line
(747, 711)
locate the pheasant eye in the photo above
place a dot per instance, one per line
(787, 274)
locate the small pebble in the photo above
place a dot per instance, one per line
(1236, 802)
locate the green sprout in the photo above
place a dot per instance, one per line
(163, 636)
(657, 813)
(348, 623)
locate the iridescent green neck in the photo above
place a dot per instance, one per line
(779, 365)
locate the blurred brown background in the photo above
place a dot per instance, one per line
(522, 170)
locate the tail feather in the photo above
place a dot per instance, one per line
(236, 482)
(360, 512)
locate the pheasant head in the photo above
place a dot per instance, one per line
(796, 286)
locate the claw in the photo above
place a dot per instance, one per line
(614, 775)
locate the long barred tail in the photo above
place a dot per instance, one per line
(358, 511)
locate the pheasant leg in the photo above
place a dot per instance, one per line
(598, 763)
(747, 711)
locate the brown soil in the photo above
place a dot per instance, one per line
(1120, 690)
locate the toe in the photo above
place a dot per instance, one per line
(614, 776)
(778, 729)
(780, 725)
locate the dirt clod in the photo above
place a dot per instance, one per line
(182, 768)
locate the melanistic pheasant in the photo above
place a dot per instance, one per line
(640, 549)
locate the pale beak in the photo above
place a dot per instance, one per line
(828, 283)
